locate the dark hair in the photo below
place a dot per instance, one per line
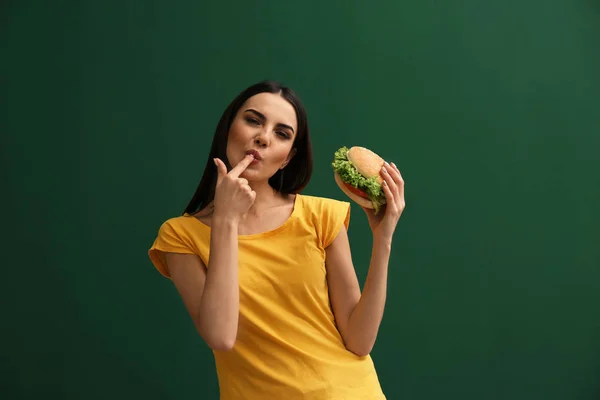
(292, 179)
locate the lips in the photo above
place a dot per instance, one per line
(254, 153)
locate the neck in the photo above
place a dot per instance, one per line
(266, 197)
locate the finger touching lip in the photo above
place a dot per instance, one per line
(255, 154)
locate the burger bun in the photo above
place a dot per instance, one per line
(366, 162)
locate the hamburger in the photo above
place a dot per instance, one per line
(356, 172)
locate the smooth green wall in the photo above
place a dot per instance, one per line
(491, 110)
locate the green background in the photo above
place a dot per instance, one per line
(490, 109)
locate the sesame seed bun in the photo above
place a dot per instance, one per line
(366, 162)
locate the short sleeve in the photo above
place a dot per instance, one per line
(167, 241)
(334, 214)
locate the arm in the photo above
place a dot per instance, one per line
(211, 295)
(358, 315)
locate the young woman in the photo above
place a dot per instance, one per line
(266, 273)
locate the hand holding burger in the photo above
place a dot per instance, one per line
(371, 183)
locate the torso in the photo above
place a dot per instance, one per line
(287, 338)
(269, 219)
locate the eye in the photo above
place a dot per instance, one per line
(283, 134)
(252, 121)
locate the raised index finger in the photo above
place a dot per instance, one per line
(241, 166)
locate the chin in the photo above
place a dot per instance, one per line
(251, 174)
(256, 175)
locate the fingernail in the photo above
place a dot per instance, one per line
(215, 161)
(386, 163)
(384, 170)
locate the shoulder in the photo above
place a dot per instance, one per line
(173, 237)
(321, 205)
(179, 229)
(175, 225)
(327, 215)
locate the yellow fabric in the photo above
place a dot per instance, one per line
(288, 346)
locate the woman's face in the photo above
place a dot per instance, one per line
(267, 124)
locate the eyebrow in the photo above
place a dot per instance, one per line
(260, 115)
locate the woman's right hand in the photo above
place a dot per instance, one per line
(233, 195)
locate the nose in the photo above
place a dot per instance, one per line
(261, 140)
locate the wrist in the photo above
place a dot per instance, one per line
(225, 221)
(382, 241)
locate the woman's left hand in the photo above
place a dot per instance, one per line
(384, 223)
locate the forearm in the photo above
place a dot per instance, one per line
(220, 299)
(365, 318)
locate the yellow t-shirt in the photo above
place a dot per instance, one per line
(287, 346)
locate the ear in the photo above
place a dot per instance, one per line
(289, 158)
